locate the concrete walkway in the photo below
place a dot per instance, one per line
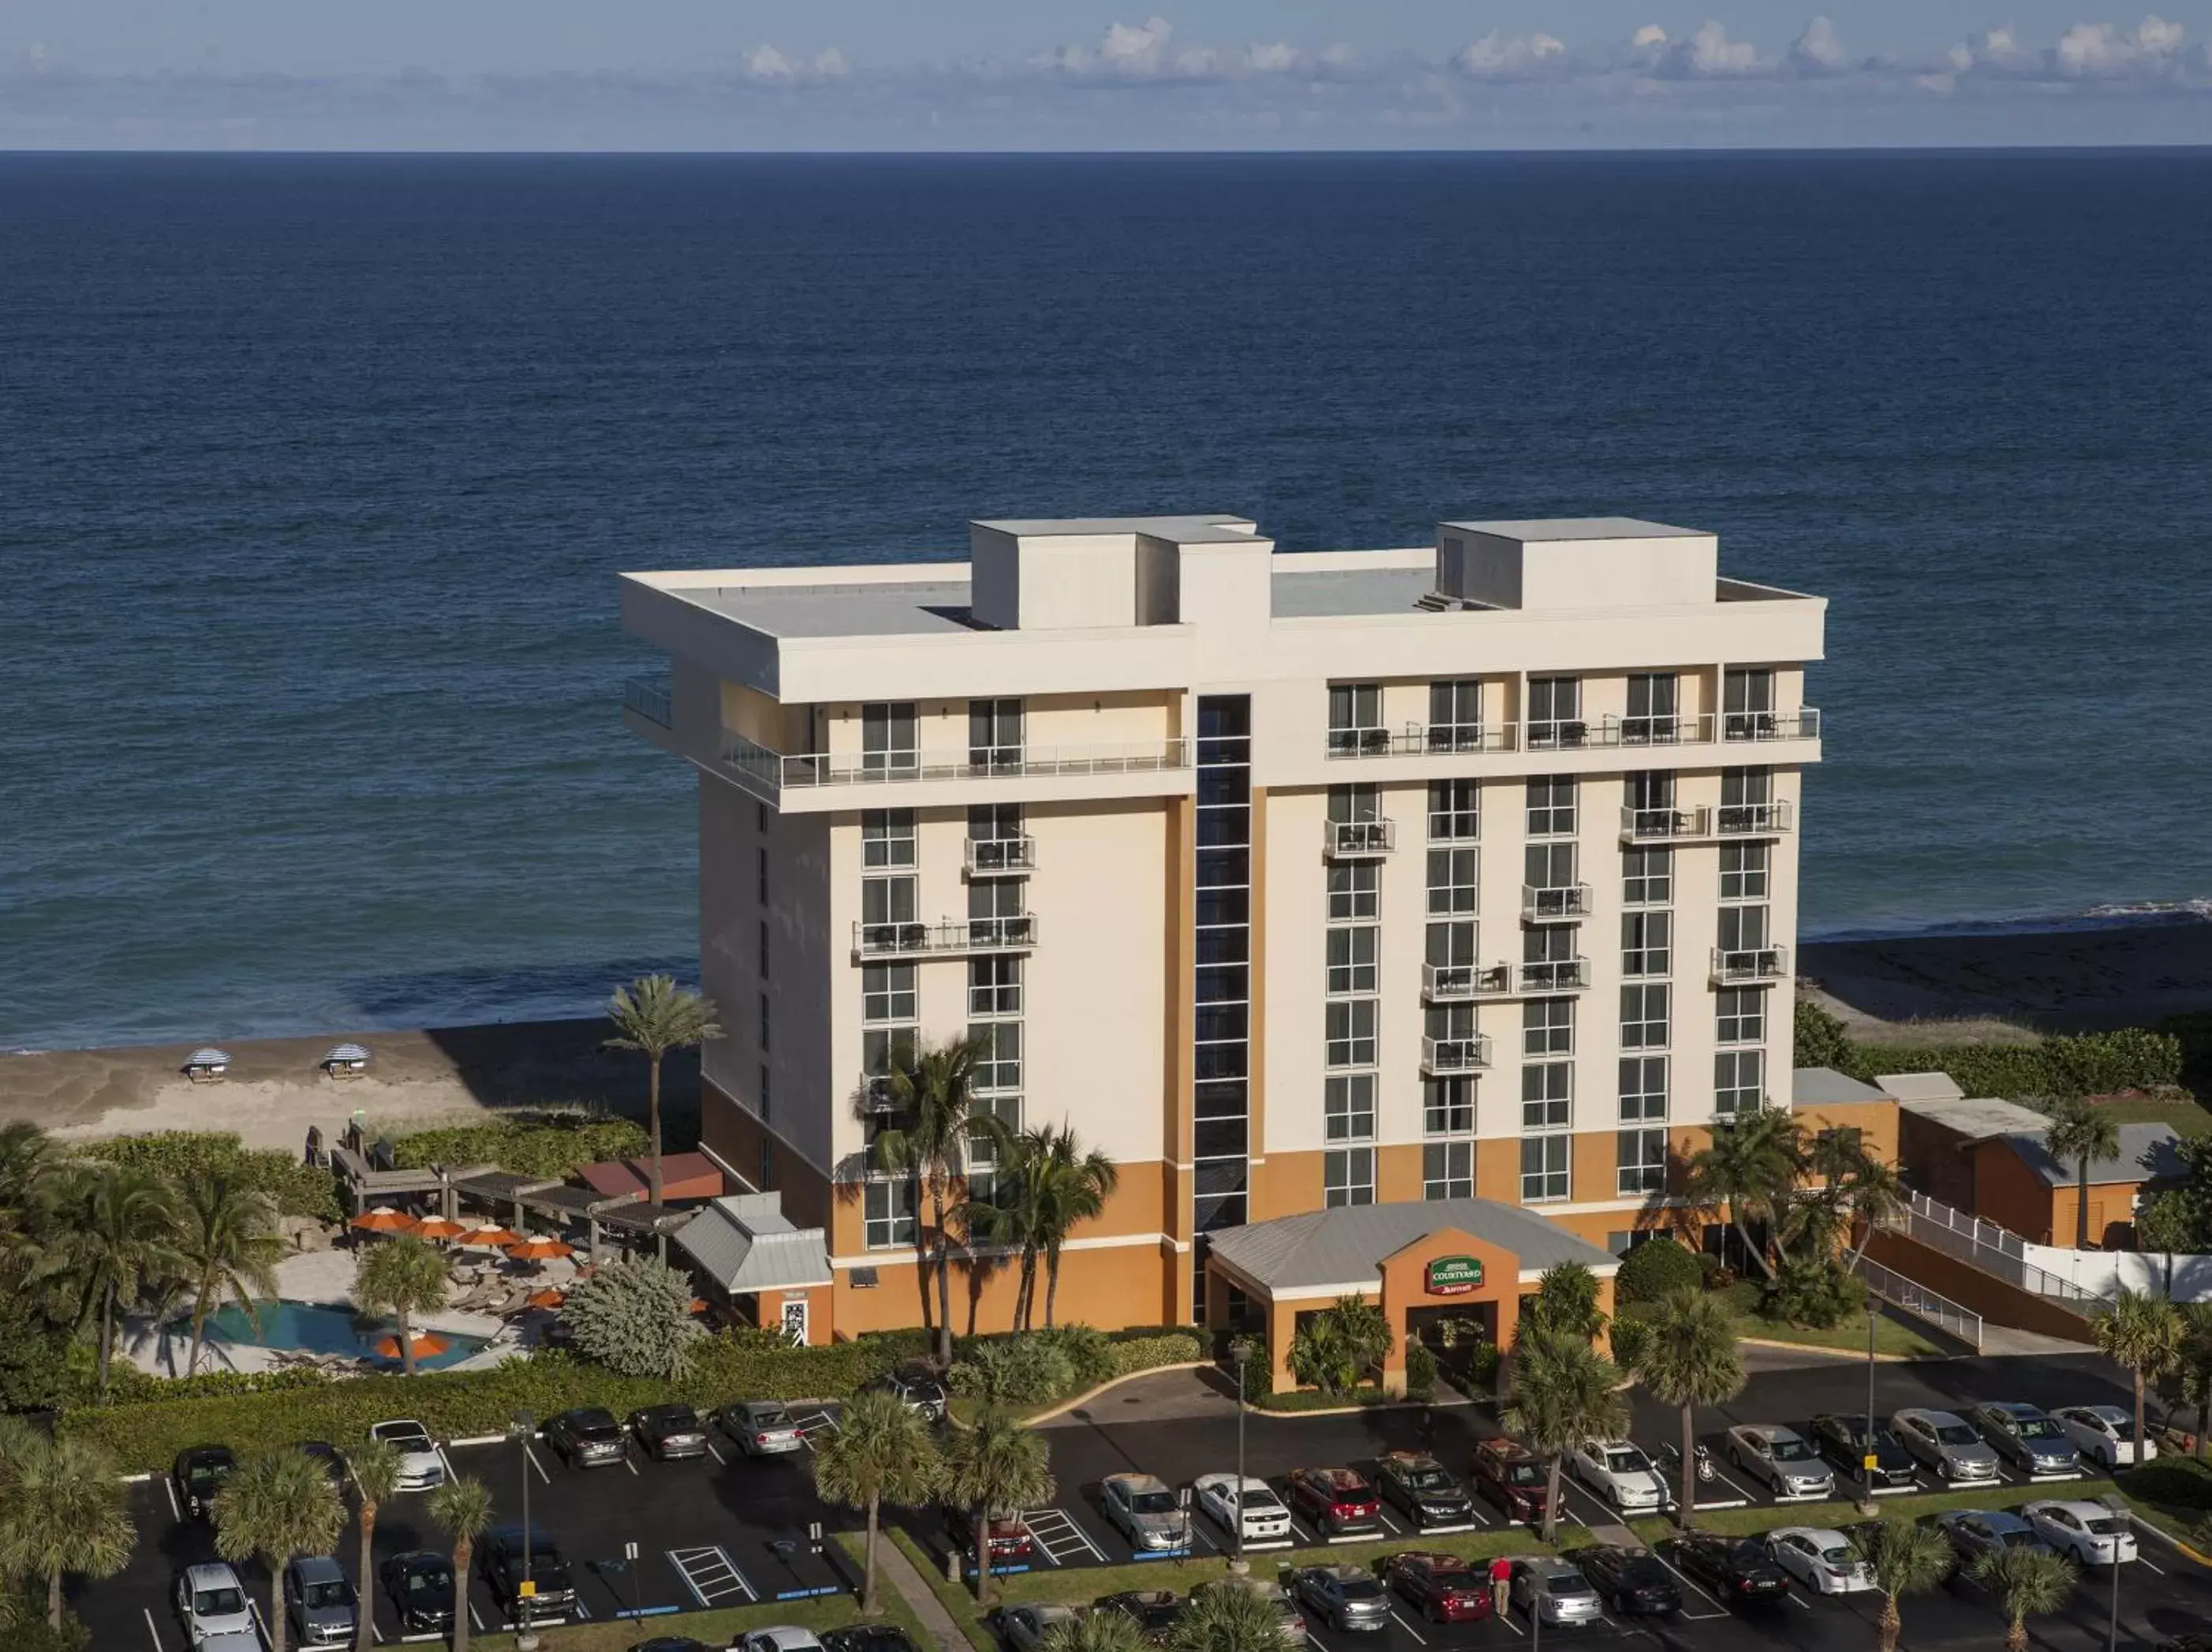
(2005, 1339)
(913, 1589)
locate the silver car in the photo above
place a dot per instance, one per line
(1782, 1458)
(1146, 1511)
(1944, 1443)
(1349, 1597)
(1026, 1625)
(2024, 1436)
(421, 1468)
(211, 1603)
(1556, 1590)
(320, 1601)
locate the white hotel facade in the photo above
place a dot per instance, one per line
(1290, 880)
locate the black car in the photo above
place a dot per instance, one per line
(668, 1432)
(672, 1643)
(1154, 1611)
(1841, 1438)
(1630, 1580)
(1737, 1568)
(1417, 1483)
(421, 1585)
(329, 1458)
(502, 1570)
(589, 1438)
(198, 1473)
(866, 1638)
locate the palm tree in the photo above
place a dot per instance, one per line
(2083, 1133)
(1562, 1394)
(1235, 1614)
(653, 1015)
(376, 1466)
(2143, 1332)
(226, 1235)
(1566, 1301)
(2028, 1584)
(463, 1506)
(1690, 1359)
(1873, 1192)
(63, 1509)
(1096, 1631)
(1751, 1166)
(403, 1276)
(113, 1241)
(276, 1504)
(1905, 1557)
(882, 1451)
(1334, 1348)
(995, 1466)
(2197, 1366)
(27, 1160)
(1072, 1188)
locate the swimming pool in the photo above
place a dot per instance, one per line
(320, 1329)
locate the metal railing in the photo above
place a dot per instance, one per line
(1447, 1056)
(1554, 976)
(648, 696)
(1923, 1304)
(1459, 983)
(1758, 727)
(1015, 932)
(774, 770)
(1419, 739)
(1359, 840)
(1574, 734)
(1995, 1250)
(1559, 903)
(991, 856)
(1733, 966)
(1704, 820)
(1751, 819)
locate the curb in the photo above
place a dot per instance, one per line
(482, 1439)
(1066, 1406)
(2167, 1538)
(1844, 1353)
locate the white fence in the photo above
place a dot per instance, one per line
(2107, 1272)
(2085, 1280)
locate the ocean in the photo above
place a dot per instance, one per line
(315, 473)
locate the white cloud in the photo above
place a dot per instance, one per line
(1709, 53)
(1516, 57)
(1818, 52)
(1136, 48)
(768, 66)
(830, 65)
(2099, 50)
(765, 62)
(1278, 58)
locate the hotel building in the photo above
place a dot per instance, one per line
(1292, 881)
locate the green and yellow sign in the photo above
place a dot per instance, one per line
(1454, 1276)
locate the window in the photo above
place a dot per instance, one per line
(1348, 1176)
(1452, 878)
(1547, 1026)
(1740, 1015)
(1747, 800)
(1355, 718)
(889, 1213)
(1544, 1175)
(1642, 1162)
(1743, 871)
(997, 910)
(1549, 867)
(1642, 1087)
(1647, 878)
(1644, 1016)
(886, 904)
(995, 985)
(1355, 813)
(887, 738)
(1352, 891)
(1454, 809)
(1555, 713)
(994, 734)
(1000, 841)
(1747, 704)
(1348, 1107)
(1450, 956)
(1841, 1142)
(1455, 715)
(1546, 1095)
(1646, 943)
(886, 837)
(1448, 1170)
(1352, 959)
(1449, 1024)
(1743, 929)
(998, 1054)
(1448, 1107)
(1552, 806)
(1739, 1082)
(1651, 789)
(1652, 707)
(884, 1048)
(1350, 1032)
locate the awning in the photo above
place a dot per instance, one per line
(682, 1176)
(745, 1245)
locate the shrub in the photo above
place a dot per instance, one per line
(1482, 1367)
(1822, 1041)
(550, 1145)
(1150, 1352)
(1091, 1358)
(634, 1318)
(1259, 1381)
(1812, 1291)
(1657, 1268)
(1631, 1337)
(33, 1356)
(2083, 1064)
(1021, 1371)
(1420, 1371)
(181, 1156)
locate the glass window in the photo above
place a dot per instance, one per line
(1355, 803)
(1744, 787)
(995, 822)
(1646, 943)
(1642, 1162)
(887, 737)
(1455, 715)
(995, 985)
(1548, 944)
(889, 1213)
(1348, 1176)
(1739, 1082)
(1651, 788)
(1348, 1107)
(1740, 1015)
(1748, 703)
(1552, 806)
(998, 1054)
(1646, 876)
(1452, 878)
(1448, 1170)
(1546, 1095)
(994, 734)
(1355, 718)
(1555, 712)
(1743, 871)
(1450, 956)
(1454, 809)
(887, 993)
(1549, 865)
(1544, 1172)
(1644, 1016)
(1652, 707)
(1350, 1032)
(1547, 1026)
(883, 1048)
(996, 898)
(886, 837)
(1448, 1107)
(1743, 929)
(1352, 958)
(886, 903)
(1642, 1087)
(1352, 891)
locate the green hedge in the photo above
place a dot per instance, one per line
(555, 1147)
(182, 1156)
(1154, 1350)
(2084, 1064)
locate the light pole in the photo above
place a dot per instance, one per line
(1867, 1461)
(526, 1639)
(1239, 1352)
(2118, 1505)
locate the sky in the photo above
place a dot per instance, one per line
(1073, 75)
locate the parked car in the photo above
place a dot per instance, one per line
(919, 1390)
(198, 1474)
(320, 1602)
(421, 1468)
(760, 1428)
(1974, 1532)
(1634, 1581)
(1415, 1483)
(1555, 1588)
(328, 1457)
(420, 1586)
(1026, 1625)
(1820, 1557)
(1512, 1477)
(1287, 1610)
(780, 1637)
(1335, 1500)
(1010, 1538)
(2105, 1435)
(669, 1433)
(1842, 1438)
(1344, 1597)
(588, 1438)
(669, 1643)
(1146, 1512)
(2188, 1641)
(1780, 1457)
(1944, 1442)
(1735, 1568)
(1154, 1611)
(2089, 1532)
(866, 1638)
(1620, 1474)
(1265, 1520)
(556, 1593)
(2026, 1437)
(1442, 1587)
(210, 1601)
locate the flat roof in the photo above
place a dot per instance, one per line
(861, 609)
(1537, 530)
(1825, 1086)
(1299, 594)
(1977, 1118)
(1210, 528)
(1347, 1245)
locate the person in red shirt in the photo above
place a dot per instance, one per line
(1501, 1579)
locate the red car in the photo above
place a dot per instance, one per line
(1010, 1538)
(1446, 1588)
(1335, 1499)
(1512, 1477)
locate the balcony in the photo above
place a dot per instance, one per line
(1359, 840)
(1418, 739)
(1000, 857)
(1552, 976)
(1704, 821)
(1444, 1058)
(1751, 820)
(949, 937)
(1749, 966)
(648, 697)
(1471, 983)
(1608, 733)
(1567, 903)
(772, 771)
(1754, 727)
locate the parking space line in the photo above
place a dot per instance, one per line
(629, 1462)
(1508, 1621)
(711, 1574)
(443, 1459)
(715, 1454)
(1687, 1583)
(476, 1617)
(150, 1630)
(535, 1464)
(170, 1487)
(1407, 1627)
(1061, 1537)
(2153, 1564)
(1388, 1525)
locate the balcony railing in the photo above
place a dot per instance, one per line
(1573, 734)
(649, 698)
(1360, 840)
(1447, 1056)
(1014, 934)
(997, 857)
(1553, 975)
(1734, 966)
(1418, 739)
(1465, 983)
(774, 770)
(1751, 819)
(1564, 903)
(1704, 820)
(1761, 725)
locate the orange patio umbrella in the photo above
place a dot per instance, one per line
(540, 1249)
(385, 1219)
(438, 1227)
(698, 1305)
(428, 1345)
(491, 1234)
(548, 1298)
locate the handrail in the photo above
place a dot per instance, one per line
(1921, 1302)
(1357, 839)
(1453, 1055)
(1014, 932)
(649, 697)
(1732, 964)
(1001, 854)
(1984, 1245)
(819, 769)
(1555, 901)
(1446, 983)
(1611, 731)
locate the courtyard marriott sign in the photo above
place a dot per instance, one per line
(1454, 1276)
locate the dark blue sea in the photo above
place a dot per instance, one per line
(315, 474)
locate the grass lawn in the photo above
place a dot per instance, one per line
(2187, 1118)
(1890, 1337)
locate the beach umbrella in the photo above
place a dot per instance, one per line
(698, 1305)
(548, 1298)
(491, 1234)
(439, 1227)
(428, 1345)
(539, 1249)
(385, 1219)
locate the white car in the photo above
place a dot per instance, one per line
(780, 1637)
(2105, 1435)
(1781, 1457)
(2089, 1531)
(1026, 1625)
(1266, 1519)
(211, 1604)
(1620, 1473)
(1820, 1559)
(421, 1468)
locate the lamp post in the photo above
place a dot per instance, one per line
(1867, 1461)
(1239, 1352)
(526, 1639)
(2118, 1505)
